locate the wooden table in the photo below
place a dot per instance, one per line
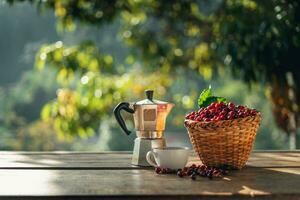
(109, 175)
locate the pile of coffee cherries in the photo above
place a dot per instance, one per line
(220, 111)
(193, 171)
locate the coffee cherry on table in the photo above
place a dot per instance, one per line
(210, 175)
(180, 174)
(157, 170)
(195, 170)
(164, 171)
(224, 172)
(216, 173)
(193, 177)
(189, 172)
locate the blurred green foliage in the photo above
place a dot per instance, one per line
(91, 86)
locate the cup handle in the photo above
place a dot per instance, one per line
(150, 155)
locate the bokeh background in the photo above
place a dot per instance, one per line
(64, 65)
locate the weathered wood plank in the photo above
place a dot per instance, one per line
(103, 160)
(41, 160)
(69, 175)
(141, 182)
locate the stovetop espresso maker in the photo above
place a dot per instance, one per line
(149, 121)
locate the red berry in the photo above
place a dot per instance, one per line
(231, 113)
(213, 110)
(253, 112)
(240, 107)
(231, 106)
(211, 106)
(222, 104)
(157, 170)
(224, 112)
(217, 106)
(193, 176)
(180, 174)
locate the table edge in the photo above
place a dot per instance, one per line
(118, 152)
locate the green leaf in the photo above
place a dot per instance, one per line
(205, 94)
(206, 98)
(221, 99)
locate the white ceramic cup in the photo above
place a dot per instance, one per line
(169, 157)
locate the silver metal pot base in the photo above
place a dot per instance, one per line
(141, 148)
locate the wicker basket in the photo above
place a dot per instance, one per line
(226, 142)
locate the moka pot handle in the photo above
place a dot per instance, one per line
(118, 116)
